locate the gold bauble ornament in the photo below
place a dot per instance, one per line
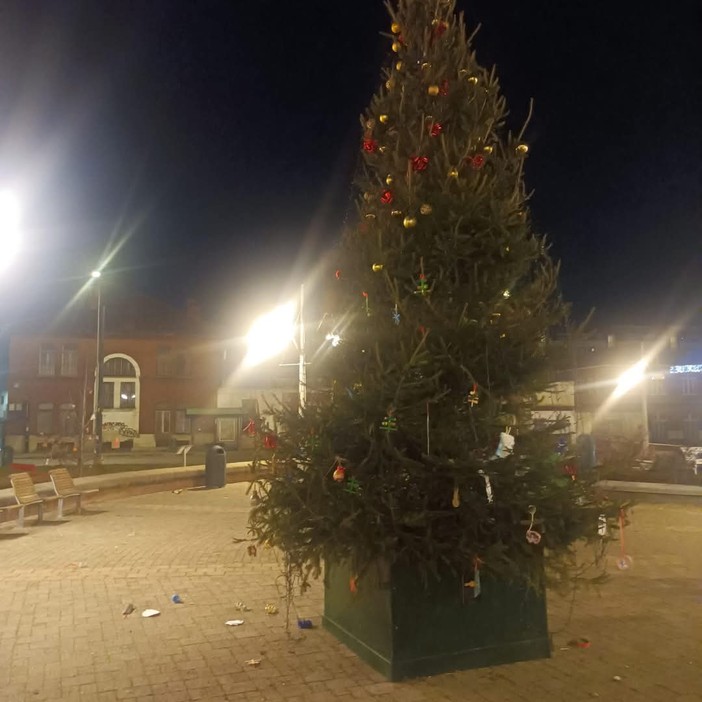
(398, 66)
(383, 119)
(395, 28)
(433, 90)
(426, 65)
(473, 80)
(488, 149)
(463, 72)
(522, 149)
(390, 84)
(425, 209)
(388, 179)
(367, 197)
(453, 173)
(396, 46)
(396, 213)
(377, 267)
(409, 222)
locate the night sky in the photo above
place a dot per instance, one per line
(217, 139)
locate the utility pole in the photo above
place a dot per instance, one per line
(97, 400)
(302, 385)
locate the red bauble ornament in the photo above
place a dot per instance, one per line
(370, 145)
(436, 129)
(387, 197)
(339, 474)
(440, 28)
(444, 88)
(419, 163)
(477, 162)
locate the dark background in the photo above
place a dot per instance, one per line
(213, 142)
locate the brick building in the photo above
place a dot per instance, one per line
(162, 370)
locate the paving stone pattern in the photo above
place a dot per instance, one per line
(63, 588)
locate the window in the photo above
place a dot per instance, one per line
(689, 386)
(656, 386)
(107, 396)
(164, 362)
(691, 429)
(68, 420)
(47, 360)
(69, 360)
(119, 367)
(182, 422)
(659, 428)
(182, 364)
(45, 418)
(127, 396)
(163, 421)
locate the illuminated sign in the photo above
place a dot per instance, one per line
(697, 368)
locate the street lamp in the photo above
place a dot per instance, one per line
(271, 333)
(9, 227)
(97, 400)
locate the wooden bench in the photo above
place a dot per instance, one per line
(64, 487)
(26, 496)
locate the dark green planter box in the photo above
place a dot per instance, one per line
(404, 628)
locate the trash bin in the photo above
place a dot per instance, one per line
(215, 467)
(8, 456)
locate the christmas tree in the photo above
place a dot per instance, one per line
(421, 448)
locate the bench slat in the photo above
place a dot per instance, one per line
(25, 493)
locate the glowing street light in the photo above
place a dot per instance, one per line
(9, 227)
(628, 380)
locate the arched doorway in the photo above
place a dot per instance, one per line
(120, 394)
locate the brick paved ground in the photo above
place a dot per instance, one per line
(63, 637)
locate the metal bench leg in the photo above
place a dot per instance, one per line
(40, 512)
(80, 504)
(20, 518)
(60, 507)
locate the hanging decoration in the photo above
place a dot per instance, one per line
(488, 149)
(440, 27)
(435, 129)
(473, 397)
(522, 149)
(337, 274)
(419, 163)
(422, 286)
(366, 304)
(624, 562)
(473, 80)
(396, 315)
(395, 28)
(250, 428)
(353, 487)
(476, 162)
(488, 486)
(388, 179)
(444, 88)
(456, 499)
(505, 447)
(370, 145)
(409, 222)
(433, 90)
(339, 473)
(425, 209)
(270, 441)
(377, 267)
(383, 119)
(532, 536)
(396, 213)
(386, 197)
(474, 584)
(389, 422)
(602, 525)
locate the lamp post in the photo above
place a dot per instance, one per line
(97, 400)
(9, 246)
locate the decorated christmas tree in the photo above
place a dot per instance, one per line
(420, 446)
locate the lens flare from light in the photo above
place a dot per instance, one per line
(9, 227)
(630, 378)
(270, 334)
